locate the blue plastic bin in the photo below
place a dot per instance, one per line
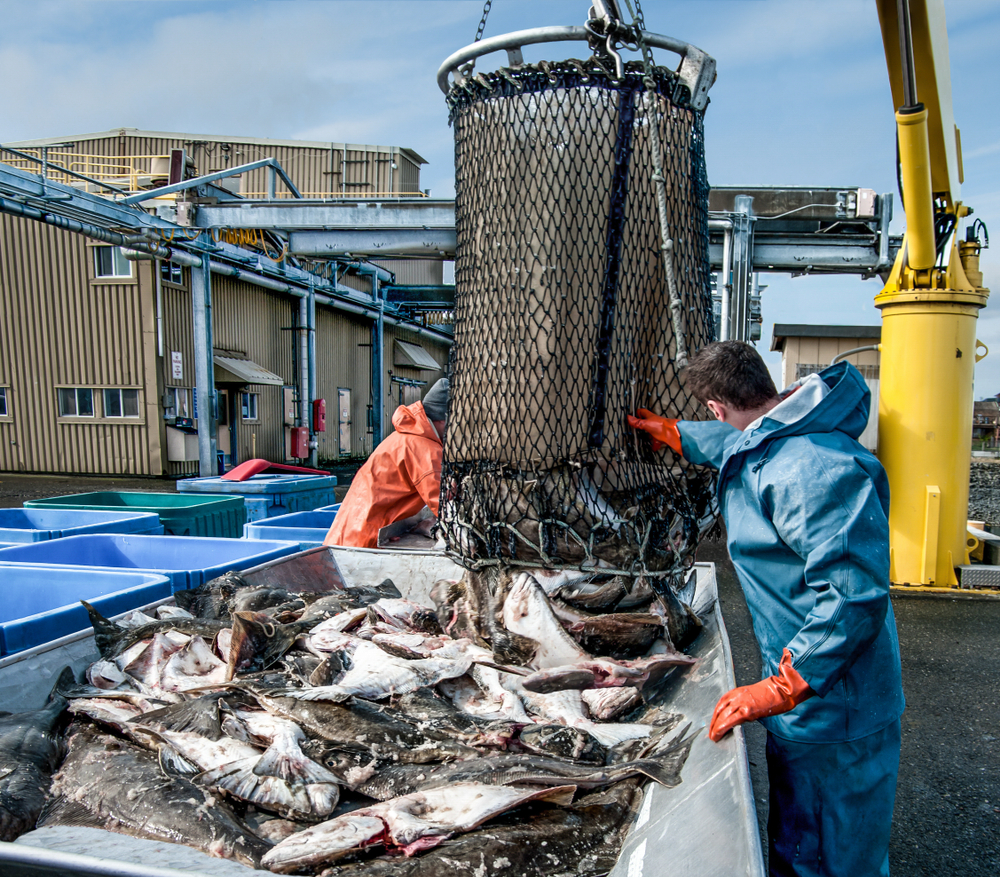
(268, 496)
(217, 516)
(185, 560)
(42, 603)
(39, 525)
(309, 529)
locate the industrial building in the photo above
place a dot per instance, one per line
(97, 353)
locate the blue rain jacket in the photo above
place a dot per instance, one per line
(806, 509)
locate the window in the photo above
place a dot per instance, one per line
(121, 403)
(175, 402)
(111, 262)
(171, 273)
(249, 403)
(3, 402)
(76, 402)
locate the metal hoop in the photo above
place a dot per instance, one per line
(696, 70)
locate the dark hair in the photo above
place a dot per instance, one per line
(731, 372)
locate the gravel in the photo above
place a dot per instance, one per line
(984, 492)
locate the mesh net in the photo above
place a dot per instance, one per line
(563, 321)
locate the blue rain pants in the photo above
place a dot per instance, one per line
(831, 805)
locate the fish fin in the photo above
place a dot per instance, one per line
(172, 763)
(106, 632)
(664, 774)
(65, 682)
(561, 796)
(292, 766)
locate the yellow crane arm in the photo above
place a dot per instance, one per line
(933, 85)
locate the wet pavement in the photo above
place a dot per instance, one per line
(947, 816)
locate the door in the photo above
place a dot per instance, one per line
(344, 420)
(223, 438)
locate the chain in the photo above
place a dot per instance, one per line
(666, 245)
(482, 24)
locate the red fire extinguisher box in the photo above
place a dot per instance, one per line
(319, 415)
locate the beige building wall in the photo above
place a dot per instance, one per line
(62, 327)
(317, 169)
(821, 352)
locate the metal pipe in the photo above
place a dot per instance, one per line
(906, 54)
(314, 442)
(378, 367)
(304, 364)
(276, 169)
(727, 287)
(852, 351)
(201, 309)
(158, 280)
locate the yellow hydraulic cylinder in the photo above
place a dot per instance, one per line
(915, 167)
(929, 351)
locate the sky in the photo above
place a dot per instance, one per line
(802, 96)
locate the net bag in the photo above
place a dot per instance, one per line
(563, 321)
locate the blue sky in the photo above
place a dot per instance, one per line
(802, 96)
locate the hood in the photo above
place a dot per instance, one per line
(412, 420)
(835, 399)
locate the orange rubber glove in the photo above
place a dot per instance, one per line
(662, 429)
(769, 697)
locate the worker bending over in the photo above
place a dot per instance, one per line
(806, 510)
(402, 475)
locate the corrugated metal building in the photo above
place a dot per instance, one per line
(96, 352)
(807, 349)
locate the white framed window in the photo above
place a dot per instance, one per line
(121, 403)
(111, 262)
(176, 402)
(76, 402)
(4, 410)
(171, 273)
(248, 403)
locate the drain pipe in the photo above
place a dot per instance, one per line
(314, 439)
(304, 369)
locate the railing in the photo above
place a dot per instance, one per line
(348, 195)
(134, 173)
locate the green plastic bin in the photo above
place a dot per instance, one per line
(181, 514)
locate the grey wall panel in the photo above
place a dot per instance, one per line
(343, 359)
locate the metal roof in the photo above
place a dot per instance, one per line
(414, 356)
(244, 371)
(804, 330)
(216, 138)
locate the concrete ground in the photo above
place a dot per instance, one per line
(15, 488)
(947, 817)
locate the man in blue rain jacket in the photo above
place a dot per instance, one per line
(806, 510)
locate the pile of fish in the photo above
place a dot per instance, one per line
(357, 732)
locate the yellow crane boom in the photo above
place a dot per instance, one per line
(929, 305)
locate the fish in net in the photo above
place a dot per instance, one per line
(563, 323)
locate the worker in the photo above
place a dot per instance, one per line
(806, 511)
(402, 475)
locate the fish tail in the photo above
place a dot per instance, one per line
(290, 764)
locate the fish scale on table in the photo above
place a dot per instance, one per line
(299, 730)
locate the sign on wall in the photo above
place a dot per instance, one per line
(176, 365)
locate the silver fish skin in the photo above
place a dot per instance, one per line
(168, 808)
(509, 768)
(31, 747)
(375, 674)
(410, 823)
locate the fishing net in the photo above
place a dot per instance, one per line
(563, 321)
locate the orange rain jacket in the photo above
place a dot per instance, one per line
(397, 481)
